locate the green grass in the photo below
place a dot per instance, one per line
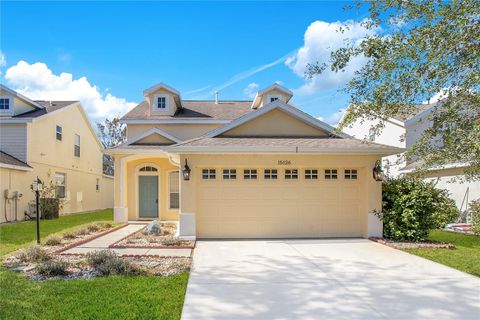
(465, 257)
(14, 236)
(101, 298)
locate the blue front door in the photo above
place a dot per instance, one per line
(148, 196)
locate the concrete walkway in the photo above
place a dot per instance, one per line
(323, 279)
(103, 242)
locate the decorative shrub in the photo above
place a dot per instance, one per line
(475, 216)
(93, 227)
(83, 231)
(53, 268)
(172, 242)
(69, 235)
(411, 208)
(104, 225)
(108, 263)
(53, 240)
(33, 254)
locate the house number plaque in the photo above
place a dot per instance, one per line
(284, 162)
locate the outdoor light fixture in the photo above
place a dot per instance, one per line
(377, 171)
(186, 171)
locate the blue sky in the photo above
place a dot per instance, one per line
(110, 52)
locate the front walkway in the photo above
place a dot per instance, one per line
(103, 243)
(323, 279)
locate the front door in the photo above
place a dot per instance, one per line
(148, 196)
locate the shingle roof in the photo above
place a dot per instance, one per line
(195, 110)
(331, 144)
(8, 159)
(48, 106)
(405, 115)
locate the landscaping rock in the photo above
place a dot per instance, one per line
(153, 227)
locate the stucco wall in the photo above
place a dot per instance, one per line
(13, 139)
(181, 131)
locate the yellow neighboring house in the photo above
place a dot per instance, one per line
(55, 141)
(245, 169)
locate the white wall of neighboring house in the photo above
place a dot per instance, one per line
(392, 134)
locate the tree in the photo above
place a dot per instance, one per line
(419, 49)
(111, 134)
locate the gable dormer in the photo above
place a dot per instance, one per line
(13, 103)
(271, 94)
(163, 99)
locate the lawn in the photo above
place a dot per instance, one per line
(465, 257)
(100, 298)
(17, 235)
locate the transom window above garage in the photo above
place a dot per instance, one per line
(229, 174)
(311, 174)
(350, 174)
(291, 174)
(148, 169)
(331, 174)
(250, 174)
(270, 174)
(209, 174)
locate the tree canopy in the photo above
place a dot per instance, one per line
(111, 134)
(419, 49)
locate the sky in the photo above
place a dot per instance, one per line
(106, 53)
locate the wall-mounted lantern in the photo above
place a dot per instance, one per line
(377, 171)
(186, 171)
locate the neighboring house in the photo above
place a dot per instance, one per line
(54, 141)
(449, 177)
(244, 169)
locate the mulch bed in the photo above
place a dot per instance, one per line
(165, 240)
(402, 245)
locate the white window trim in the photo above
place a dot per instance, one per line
(264, 174)
(169, 190)
(250, 174)
(155, 102)
(75, 145)
(64, 184)
(270, 96)
(291, 174)
(311, 174)
(10, 105)
(231, 172)
(350, 174)
(208, 174)
(56, 132)
(332, 174)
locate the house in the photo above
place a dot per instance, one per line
(244, 169)
(449, 177)
(54, 141)
(403, 131)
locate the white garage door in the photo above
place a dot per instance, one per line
(269, 208)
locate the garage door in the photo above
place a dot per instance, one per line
(298, 203)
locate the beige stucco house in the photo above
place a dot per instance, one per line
(244, 169)
(55, 141)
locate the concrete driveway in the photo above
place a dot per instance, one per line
(323, 279)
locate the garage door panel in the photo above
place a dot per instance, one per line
(208, 192)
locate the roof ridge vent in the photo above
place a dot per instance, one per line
(216, 97)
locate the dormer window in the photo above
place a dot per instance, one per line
(273, 98)
(161, 102)
(4, 104)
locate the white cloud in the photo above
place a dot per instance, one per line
(3, 59)
(334, 118)
(251, 90)
(320, 39)
(38, 82)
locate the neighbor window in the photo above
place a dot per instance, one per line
(350, 174)
(162, 102)
(250, 174)
(4, 104)
(174, 190)
(331, 174)
(76, 151)
(59, 185)
(58, 132)
(270, 174)
(371, 134)
(208, 174)
(97, 185)
(229, 174)
(311, 174)
(291, 174)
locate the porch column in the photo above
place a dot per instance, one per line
(374, 203)
(186, 223)
(120, 211)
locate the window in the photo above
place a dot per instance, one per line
(58, 132)
(229, 174)
(161, 102)
(371, 134)
(4, 104)
(97, 185)
(273, 98)
(270, 174)
(250, 174)
(311, 174)
(76, 151)
(331, 174)
(291, 174)
(174, 185)
(350, 174)
(148, 169)
(209, 174)
(59, 185)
